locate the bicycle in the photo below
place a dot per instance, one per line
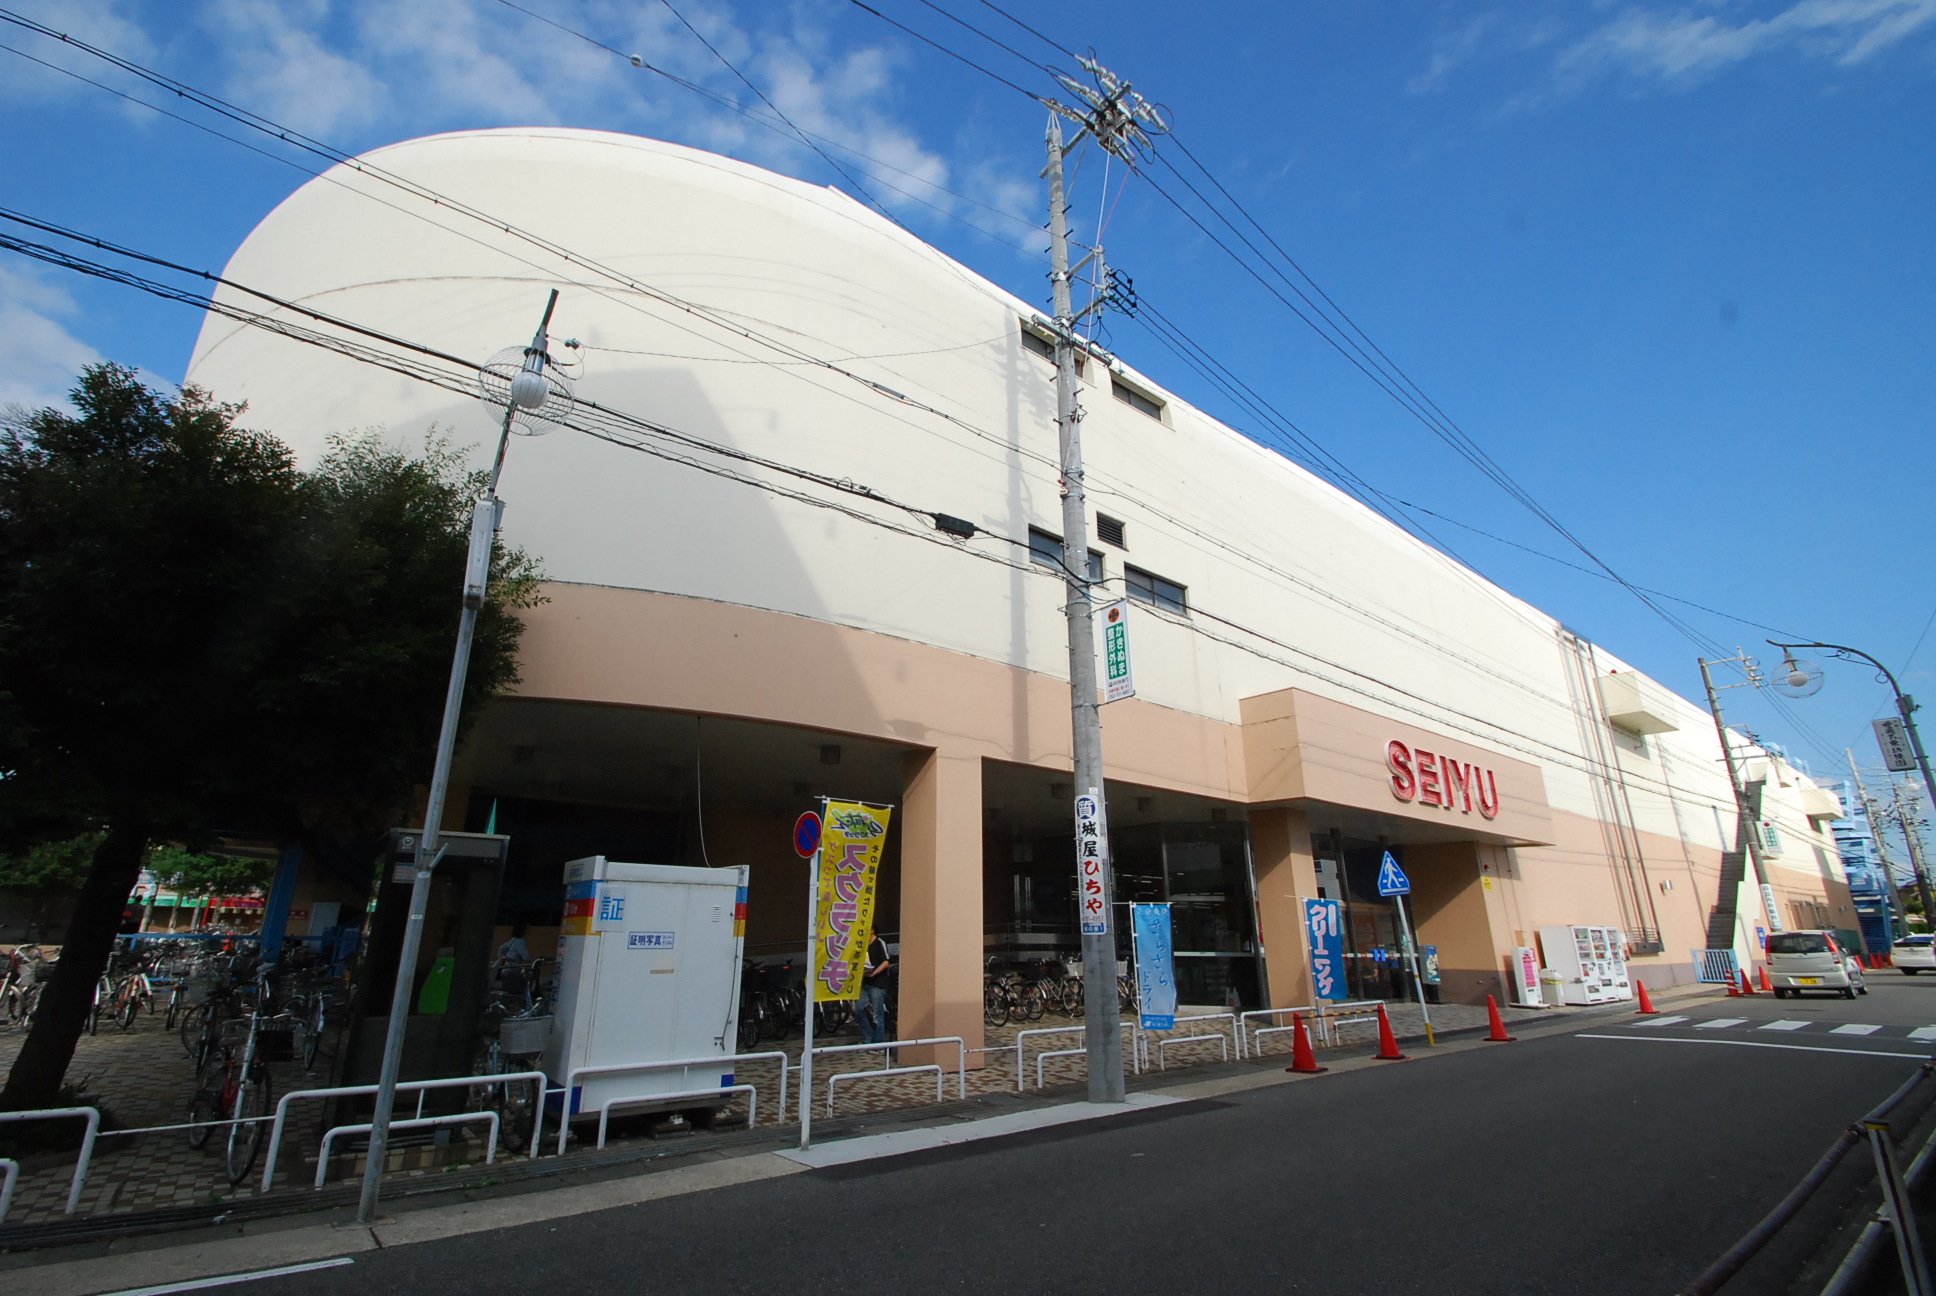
(237, 1090)
(515, 1027)
(20, 986)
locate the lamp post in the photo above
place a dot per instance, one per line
(528, 392)
(1905, 707)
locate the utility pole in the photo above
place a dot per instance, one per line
(1913, 836)
(1747, 830)
(1118, 120)
(1875, 834)
(530, 391)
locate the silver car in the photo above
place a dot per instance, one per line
(1799, 961)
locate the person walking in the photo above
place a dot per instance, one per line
(872, 1008)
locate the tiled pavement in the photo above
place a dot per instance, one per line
(142, 1077)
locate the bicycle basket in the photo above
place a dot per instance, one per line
(525, 1034)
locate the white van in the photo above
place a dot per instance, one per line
(1812, 960)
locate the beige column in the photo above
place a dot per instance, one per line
(1280, 853)
(941, 905)
(1456, 910)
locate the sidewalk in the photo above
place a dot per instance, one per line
(157, 1180)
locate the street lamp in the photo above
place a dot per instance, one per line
(1905, 707)
(526, 385)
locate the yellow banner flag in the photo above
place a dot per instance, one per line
(851, 836)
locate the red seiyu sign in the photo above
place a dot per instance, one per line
(1437, 780)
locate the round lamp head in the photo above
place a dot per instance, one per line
(1799, 678)
(529, 390)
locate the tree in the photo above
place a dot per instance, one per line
(195, 636)
(190, 873)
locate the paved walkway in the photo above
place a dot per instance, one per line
(142, 1078)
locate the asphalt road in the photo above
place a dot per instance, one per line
(1568, 1163)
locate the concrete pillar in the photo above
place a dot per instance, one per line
(1456, 911)
(1280, 853)
(941, 904)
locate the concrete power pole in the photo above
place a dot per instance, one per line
(1747, 830)
(1904, 818)
(1118, 120)
(1875, 834)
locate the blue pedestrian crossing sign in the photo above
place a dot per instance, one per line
(1391, 878)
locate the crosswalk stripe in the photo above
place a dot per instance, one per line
(1669, 1021)
(1719, 1023)
(1923, 1033)
(1855, 1028)
(1782, 1025)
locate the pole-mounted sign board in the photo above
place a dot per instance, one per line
(1118, 679)
(1892, 735)
(1324, 922)
(1092, 853)
(1391, 878)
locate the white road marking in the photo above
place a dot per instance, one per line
(1782, 1025)
(225, 1280)
(1719, 1023)
(1801, 1048)
(1657, 1021)
(1855, 1028)
(1923, 1033)
(899, 1142)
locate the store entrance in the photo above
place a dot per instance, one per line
(1347, 871)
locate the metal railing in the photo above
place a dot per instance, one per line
(888, 1047)
(1873, 1129)
(1715, 966)
(92, 1115)
(573, 1076)
(1251, 1034)
(1177, 1023)
(415, 1122)
(1021, 1038)
(419, 1087)
(1162, 1058)
(9, 1173)
(640, 1100)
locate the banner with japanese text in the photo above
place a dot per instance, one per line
(1324, 924)
(852, 834)
(1155, 965)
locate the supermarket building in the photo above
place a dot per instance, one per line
(1314, 685)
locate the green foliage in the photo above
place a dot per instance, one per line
(50, 866)
(188, 873)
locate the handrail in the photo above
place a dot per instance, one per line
(1731, 1261)
(752, 1104)
(403, 1086)
(93, 1117)
(415, 1122)
(620, 1068)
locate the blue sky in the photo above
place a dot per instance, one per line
(1668, 263)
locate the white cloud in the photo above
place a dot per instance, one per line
(1685, 44)
(39, 358)
(106, 24)
(281, 66)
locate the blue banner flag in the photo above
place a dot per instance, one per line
(1155, 970)
(1324, 923)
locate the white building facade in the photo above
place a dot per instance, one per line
(1314, 685)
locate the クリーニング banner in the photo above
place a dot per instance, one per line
(851, 838)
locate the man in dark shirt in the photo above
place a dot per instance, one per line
(871, 1011)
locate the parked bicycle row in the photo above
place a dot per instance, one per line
(1030, 992)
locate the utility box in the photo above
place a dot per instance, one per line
(648, 971)
(1591, 960)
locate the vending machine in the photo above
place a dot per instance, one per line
(648, 971)
(1592, 961)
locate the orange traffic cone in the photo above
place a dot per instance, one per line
(1498, 1035)
(1746, 989)
(1302, 1058)
(1387, 1042)
(1647, 1008)
(1766, 984)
